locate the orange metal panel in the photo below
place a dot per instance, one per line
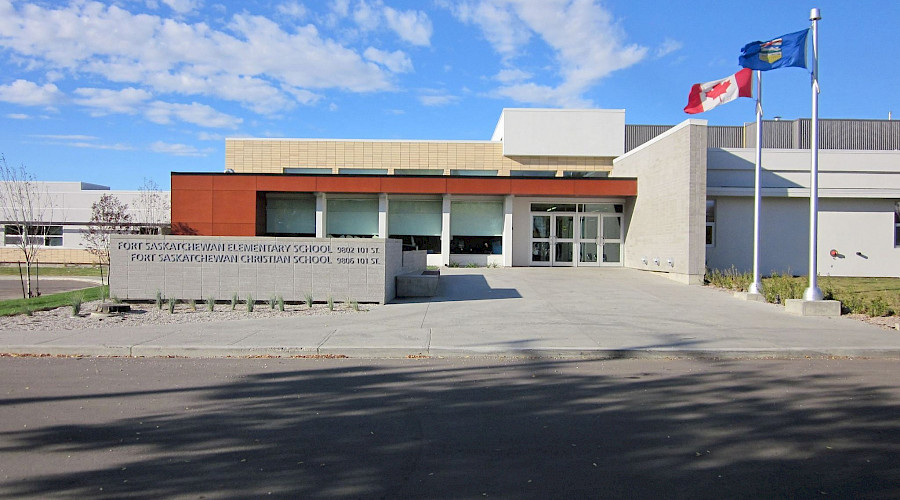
(415, 185)
(363, 184)
(191, 205)
(228, 229)
(479, 185)
(234, 207)
(286, 183)
(606, 187)
(555, 187)
(234, 182)
(192, 228)
(199, 181)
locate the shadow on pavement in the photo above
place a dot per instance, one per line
(526, 429)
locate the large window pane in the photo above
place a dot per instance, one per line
(290, 214)
(352, 217)
(304, 170)
(419, 217)
(474, 173)
(363, 171)
(476, 218)
(418, 171)
(612, 228)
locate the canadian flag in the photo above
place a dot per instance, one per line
(706, 96)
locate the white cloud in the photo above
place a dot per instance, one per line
(292, 9)
(17, 116)
(196, 113)
(182, 6)
(438, 100)
(31, 94)
(586, 42)
(251, 61)
(667, 47)
(105, 101)
(396, 61)
(179, 149)
(413, 26)
(62, 137)
(512, 75)
(206, 136)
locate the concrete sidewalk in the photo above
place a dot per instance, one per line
(603, 312)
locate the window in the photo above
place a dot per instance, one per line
(476, 227)
(363, 171)
(580, 173)
(897, 224)
(301, 170)
(474, 173)
(532, 173)
(418, 171)
(290, 214)
(352, 217)
(47, 236)
(710, 223)
(417, 223)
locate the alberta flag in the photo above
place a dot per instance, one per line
(782, 52)
(706, 96)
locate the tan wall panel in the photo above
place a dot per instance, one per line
(51, 256)
(268, 156)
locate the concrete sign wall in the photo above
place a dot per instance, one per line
(198, 267)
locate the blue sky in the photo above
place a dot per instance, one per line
(112, 92)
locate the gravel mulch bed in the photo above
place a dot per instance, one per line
(148, 314)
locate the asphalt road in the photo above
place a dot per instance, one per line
(11, 287)
(462, 428)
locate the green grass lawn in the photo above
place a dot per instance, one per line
(13, 270)
(872, 296)
(47, 302)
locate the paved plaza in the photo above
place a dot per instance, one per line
(596, 312)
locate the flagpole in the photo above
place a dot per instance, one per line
(756, 286)
(813, 292)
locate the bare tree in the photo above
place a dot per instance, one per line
(26, 209)
(151, 209)
(108, 216)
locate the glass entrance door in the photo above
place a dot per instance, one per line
(552, 240)
(564, 245)
(611, 233)
(588, 240)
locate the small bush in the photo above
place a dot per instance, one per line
(172, 303)
(29, 311)
(234, 300)
(330, 303)
(272, 301)
(354, 305)
(309, 300)
(781, 287)
(159, 300)
(281, 303)
(210, 304)
(75, 303)
(878, 307)
(251, 302)
(729, 279)
(115, 300)
(192, 304)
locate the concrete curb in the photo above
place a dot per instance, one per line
(200, 352)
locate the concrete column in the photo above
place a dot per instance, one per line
(383, 215)
(321, 215)
(445, 231)
(507, 241)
